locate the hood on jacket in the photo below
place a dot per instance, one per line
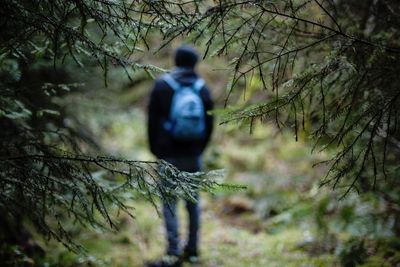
(185, 76)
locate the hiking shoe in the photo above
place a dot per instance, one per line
(166, 261)
(190, 256)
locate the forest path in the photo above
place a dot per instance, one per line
(230, 239)
(232, 233)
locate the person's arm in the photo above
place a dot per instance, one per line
(153, 120)
(208, 106)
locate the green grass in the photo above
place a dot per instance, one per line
(287, 219)
(223, 242)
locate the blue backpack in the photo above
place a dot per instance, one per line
(187, 115)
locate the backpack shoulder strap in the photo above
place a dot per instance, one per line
(171, 82)
(198, 85)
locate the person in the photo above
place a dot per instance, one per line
(182, 147)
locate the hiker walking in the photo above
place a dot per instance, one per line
(179, 129)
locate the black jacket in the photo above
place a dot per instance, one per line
(161, 143)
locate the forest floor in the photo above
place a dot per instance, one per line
(231, 236)
(270, 223)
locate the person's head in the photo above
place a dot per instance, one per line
(186, 56)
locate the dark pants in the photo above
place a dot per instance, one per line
(193, 209)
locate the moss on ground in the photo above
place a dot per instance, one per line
(222, 243)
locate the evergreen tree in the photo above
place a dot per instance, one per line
(328, 69)
(50, 166)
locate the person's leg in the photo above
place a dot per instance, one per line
(193, 209)
(171, 225)
(172, 259)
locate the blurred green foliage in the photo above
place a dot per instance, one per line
(74, 80)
